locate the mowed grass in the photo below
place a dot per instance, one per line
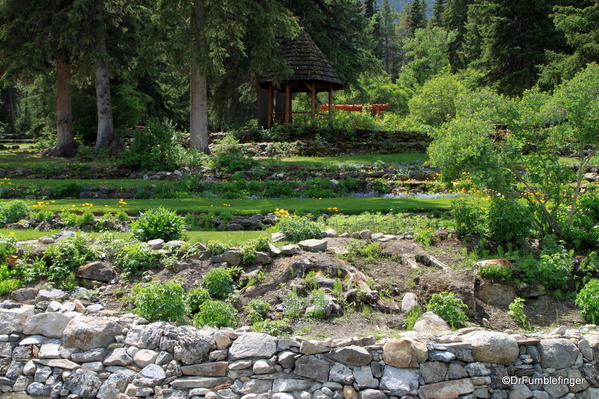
(349, 205)
(367, 159)
(233, 237)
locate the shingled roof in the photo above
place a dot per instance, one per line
(307, 62)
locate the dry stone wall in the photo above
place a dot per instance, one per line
(108, 355)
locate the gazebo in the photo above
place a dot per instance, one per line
(312, 73)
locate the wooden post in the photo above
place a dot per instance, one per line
(270, 106)
(287, 102)
(313, 88)
(330, 100)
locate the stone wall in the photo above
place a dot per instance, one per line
(63, 353)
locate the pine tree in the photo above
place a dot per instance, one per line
(437, 18)
(454, 18)
(390, 41)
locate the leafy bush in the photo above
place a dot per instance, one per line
(29, 271)
(136, 258)
(158, 223)
(271, 327)
(256, 310)
(230, 158)
(449, 307)
(74, 219)
(153, 148)
(248, 249)
(8, 246)
(67, 190)
(412, 317)
(13, 211)
(552, 270)
(218, 282)
(468, 216)
(66, 256)
(588, 301)
(516, 311)
(318, 308)
(369, 251)
(196, 297)
(8, 286)
(508, 221)
(216, 314)
(159, 300)
(44, 216)
(298, 228)
(293, 305)
(496, 272)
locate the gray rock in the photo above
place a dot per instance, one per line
(253, 345)
(442, 356)
(52, 294)
(273, 250)
(262, 367)
(364, 378)
(59, 363)
(97, 271)
(13, 320)
(372, 394)
(456, 371)
(114, 384)
(150, 376)
(118, 357)
(312, 347)
(280, 236)
(446, 389)
(50, 350)
(214, 369)
(144, 357)
(433, 372)
(254, 386)
(313, 245)
(146, 337)
(341, 373)
(399, 381)
(94, 355)
(156, 244)
(290, 249)
(87, 333)
(290, 385)
(36, 389)
(51, 325)
(557, 353)
(233, 258)
(430, 323)
(82, 383)
(477, 369)
(495, 294)
(24, 294)
(192, 346)
(409, 302)
(313, 368)
(93, 366)
(352, 355)
(286, 359)
(197, 382)
(492, 347)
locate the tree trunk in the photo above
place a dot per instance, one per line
(105, 134)
(11, 103)
(66, 146)
(262, 104)
(198, 86)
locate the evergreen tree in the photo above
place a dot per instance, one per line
(370, 8)
(506, 42)
(416, 16)
(437, 18)
(36, 37)
(390, 41)
(454, 18)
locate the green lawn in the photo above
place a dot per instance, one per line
(349, 205)
(367, 159)
(233, 237)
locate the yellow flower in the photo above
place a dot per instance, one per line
(12, 233)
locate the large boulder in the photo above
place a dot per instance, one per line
(352, 355)
(399, 381)
(251, 345)
(192, 346)
(87, 333)
(51, 324)
(404, 352)
(492, 347)
(461, 283)
(13, 320)
(430, 322)
(98, 271)
(557, 353)
(83, 383)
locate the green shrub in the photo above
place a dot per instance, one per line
(13, 211)
(158, 223)
(256, 310)
(275, 328)
(121, 216)
(248, 249)
(508, 221)
(449, 307)
(67, 255)
(412, 317)
(43, 216)
(293, 305)
(496, 272)
(8, 246)
(156, 300)
(516, 311)
(218, 282)
(588, 301)
(318, 307)
(554, 271)
(230, 158)
(216, 314)
(8, 286)
(136, 258)
(217, 247)
(29, 271)
(368, 251)
(155, 148)
(196, 297)
(67, 190)
(298, 228)
(468, 216)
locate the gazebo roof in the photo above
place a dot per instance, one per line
(308, 64)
